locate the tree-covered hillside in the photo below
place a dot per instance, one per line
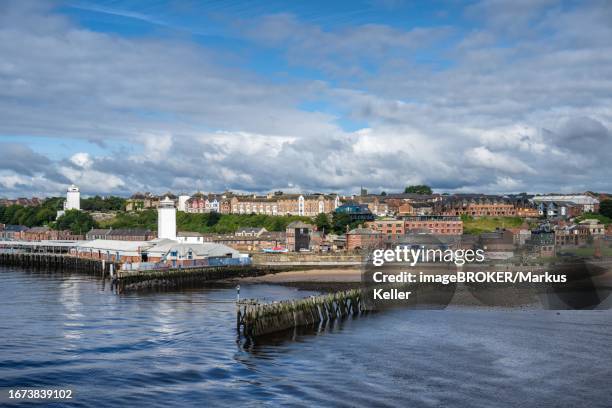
(203, 223)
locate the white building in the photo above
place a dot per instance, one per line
(178, 251)
(596, 228)
(166, 219)
(73, 198)
(587, 202)
(153, 251)
(182, 202)
(189, 237)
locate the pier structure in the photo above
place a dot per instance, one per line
(65, 256)
(57, 262)
(257, 319)
(170, 278)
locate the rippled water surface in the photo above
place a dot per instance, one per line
(181, 349)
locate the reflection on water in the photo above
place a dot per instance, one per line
(181, 348)
(72, 317)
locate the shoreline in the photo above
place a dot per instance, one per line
(324, 275)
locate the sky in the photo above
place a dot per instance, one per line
(119, 96)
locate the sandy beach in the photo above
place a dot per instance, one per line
(348, 275)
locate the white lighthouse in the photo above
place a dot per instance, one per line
(166, 219)
(182, 202)
(73, 198)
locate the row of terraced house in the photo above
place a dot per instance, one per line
(455, 205)
(228, 203)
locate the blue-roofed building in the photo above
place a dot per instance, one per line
(356, 212)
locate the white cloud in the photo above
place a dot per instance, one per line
(481, 156)
(505, 109)
(81, 159)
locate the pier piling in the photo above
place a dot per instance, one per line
(257, 319)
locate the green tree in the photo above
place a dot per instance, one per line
(340, 221)
(77, 222)
(28, 216)
(53, 203)
(98, 203)
(418, 189)
(11, 215)
(204, 223)
(322, 222)
(605, 208)
(45, 216)
(213, 219)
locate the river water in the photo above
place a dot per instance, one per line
(180, 349)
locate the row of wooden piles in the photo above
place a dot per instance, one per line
(256, 319)
(57, 262)
(187, 277)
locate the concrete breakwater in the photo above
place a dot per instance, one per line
(58, 262)
(257, 319)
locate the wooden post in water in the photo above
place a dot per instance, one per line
(238, 317)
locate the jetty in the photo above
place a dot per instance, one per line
(59, 256)
(58, 262)
(257, 319)
(169, 278)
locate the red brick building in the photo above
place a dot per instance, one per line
(363, 238)
(389, 228)
(438, 225)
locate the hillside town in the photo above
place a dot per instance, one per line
(543, 225)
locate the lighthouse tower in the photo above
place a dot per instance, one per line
(166, 219)
(73, 198)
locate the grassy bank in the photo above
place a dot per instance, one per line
(602, 218)
(473, 225)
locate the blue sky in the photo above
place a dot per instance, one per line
(125, 96)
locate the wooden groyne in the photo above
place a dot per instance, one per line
(185, 277)
(257, 319)
(57, 262)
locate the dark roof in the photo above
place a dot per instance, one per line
(413, 196)
(129, 231)
(363, 231)
(39, 229)
(274, 234)
(188, 234)
(15, 228)
(99, 231)
(249, 229)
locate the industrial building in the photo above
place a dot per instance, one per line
(172, 253)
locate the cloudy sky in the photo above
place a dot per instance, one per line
(119, 96)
